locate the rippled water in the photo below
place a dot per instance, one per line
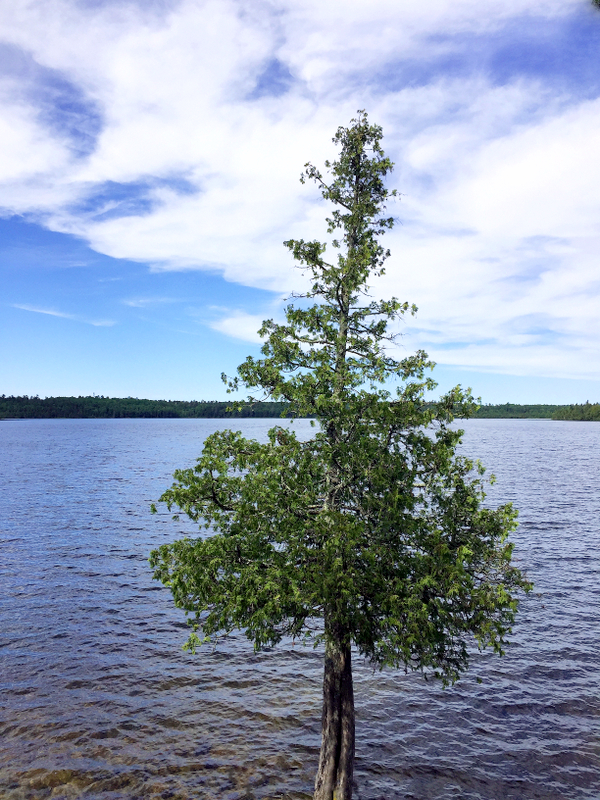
(99, 701)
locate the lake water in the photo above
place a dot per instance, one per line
(99, 701)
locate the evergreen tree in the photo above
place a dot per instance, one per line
(370, 535)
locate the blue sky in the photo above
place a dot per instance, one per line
(149, 164)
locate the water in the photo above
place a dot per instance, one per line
(99, 701)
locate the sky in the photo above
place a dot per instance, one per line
(150, 155)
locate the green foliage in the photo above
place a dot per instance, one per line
(98, 407)
(517, 411)
(589, 412)
(376, 525)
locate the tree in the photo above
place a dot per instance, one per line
(371, 534)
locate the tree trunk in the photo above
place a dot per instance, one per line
(336, 762)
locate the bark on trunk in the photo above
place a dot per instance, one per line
(336, 762)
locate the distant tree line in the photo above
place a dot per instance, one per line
(99, 407)
(585, 411)
(517, 411)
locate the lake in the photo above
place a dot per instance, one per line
(100, 701)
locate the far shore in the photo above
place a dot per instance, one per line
(100, 407)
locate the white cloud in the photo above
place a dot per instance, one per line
(240, 325)
(327, 40)
(25, 150)
(146, 302)
(501, 204)
(510, 235)
(97, 323)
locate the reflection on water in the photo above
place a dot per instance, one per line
(99, 701)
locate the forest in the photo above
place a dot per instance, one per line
(589, 412)
(99, 407)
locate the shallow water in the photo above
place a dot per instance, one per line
(99, 701)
